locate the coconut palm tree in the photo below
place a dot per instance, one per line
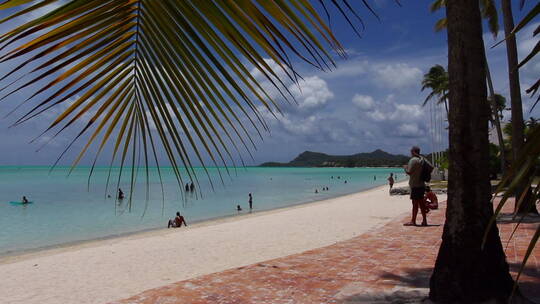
(489, 12)
(487, 7)
(437, 81)
(464, 271)
(518, 125)
(524, 169)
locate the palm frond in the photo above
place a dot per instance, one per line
(489, 12)
(441, 24)
(170, 74)
(524, 168)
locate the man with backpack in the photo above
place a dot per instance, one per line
(419, 171)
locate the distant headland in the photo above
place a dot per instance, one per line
(377, 158)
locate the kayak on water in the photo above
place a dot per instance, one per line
(20, 203)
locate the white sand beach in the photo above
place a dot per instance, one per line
(107, 270)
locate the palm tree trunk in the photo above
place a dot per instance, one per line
(464, 272)
(496, 118)
(518, 127)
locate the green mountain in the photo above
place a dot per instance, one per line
(377, 158)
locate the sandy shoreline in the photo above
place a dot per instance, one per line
(110, 269)
(19, 255)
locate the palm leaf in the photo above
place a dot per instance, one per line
(168, 75)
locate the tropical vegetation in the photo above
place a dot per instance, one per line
(437, 81)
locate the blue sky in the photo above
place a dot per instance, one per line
(371, 100)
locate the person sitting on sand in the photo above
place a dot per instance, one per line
(238, 208)
(120, 194)
(24, 200)
(177, 222)
(316, 191)
(431, 200)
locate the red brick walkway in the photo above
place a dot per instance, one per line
(390, 262)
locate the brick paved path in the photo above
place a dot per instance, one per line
(390, 262)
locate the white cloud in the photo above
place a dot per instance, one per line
(384, 74)
(407, 112)
(409, 130)
(276, 68)
(377, 115)
(299, 126)
(395, 112)
(398, 75)
(364, 102)
(311, 93)
(350, 69)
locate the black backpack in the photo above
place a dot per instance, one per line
(427, 168)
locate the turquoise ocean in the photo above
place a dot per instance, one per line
(67, 209)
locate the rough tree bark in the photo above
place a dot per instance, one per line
(464, 272)
(518, 125)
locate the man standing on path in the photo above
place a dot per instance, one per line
(391, 180)
(417, 185)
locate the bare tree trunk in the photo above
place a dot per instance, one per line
(518, 126)
(464, 272)
(497, 121)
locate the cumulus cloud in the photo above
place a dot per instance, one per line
(407, 112)
(397, 75)
(409, 130)
(377, 115)
(311, 93)
(276, 68)
(397, 112)
(364, 102)
(392, 75)
(352, 68)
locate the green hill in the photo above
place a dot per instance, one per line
(377, 158)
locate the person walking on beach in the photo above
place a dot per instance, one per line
(391, 180)
(417, 185)
(177, 222)
(250, 201)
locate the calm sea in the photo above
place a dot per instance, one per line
(65, 210)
